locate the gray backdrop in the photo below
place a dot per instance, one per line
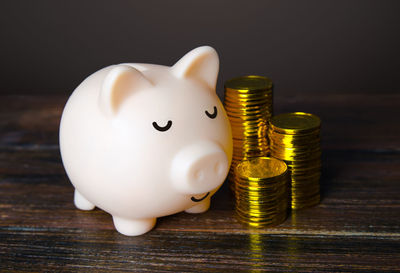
(304, 46)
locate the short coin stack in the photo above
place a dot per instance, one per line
(248, 103)
(295, 138)
(261, 191)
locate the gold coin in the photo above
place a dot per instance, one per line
(249, 83)
(291, 143)
(295, 138)
(266, 212)
(248, 104)
(261, 191)
(247, 120)
(295, 157)
(237, 98)
(261, 221)
(309, 202)
(261, 168)
(295, 123)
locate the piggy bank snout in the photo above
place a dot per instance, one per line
(199, 168)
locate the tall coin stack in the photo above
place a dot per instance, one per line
(295, 138)
(248, 103)
(261, 191)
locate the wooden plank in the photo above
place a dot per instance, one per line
(56, 250)
(30, 121)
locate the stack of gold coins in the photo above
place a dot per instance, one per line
(295, 138)
(261, 191)
(248, 103)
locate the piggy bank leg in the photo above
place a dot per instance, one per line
(135, 227)
(200, 207)
(81, 202)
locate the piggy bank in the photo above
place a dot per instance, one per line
(141, 141)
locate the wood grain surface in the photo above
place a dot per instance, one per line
(356, 227)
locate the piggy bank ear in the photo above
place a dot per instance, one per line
(120, 82)
(201, 64)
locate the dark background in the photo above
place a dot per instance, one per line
(304, 46)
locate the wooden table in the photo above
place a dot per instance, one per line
(355, 228)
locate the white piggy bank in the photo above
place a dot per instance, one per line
(141, 141)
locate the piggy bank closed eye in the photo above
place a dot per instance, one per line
(141, 141)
